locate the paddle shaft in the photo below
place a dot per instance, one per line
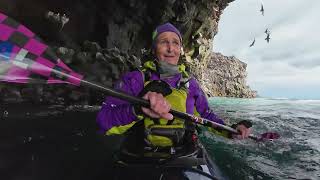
(145, 103)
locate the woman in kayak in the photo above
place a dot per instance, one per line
(166, 85)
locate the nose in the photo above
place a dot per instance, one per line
(170, 47)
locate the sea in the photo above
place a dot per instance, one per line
(59, 142)
(295, 155)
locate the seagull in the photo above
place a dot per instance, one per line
(267, 38)
(262, 10)
(254, 40)
(267, 31)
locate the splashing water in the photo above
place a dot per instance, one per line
(296, 155)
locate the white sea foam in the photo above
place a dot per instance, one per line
(315, 142)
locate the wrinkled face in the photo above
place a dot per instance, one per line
(168, 47)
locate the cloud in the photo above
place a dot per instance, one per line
(277, 79)
(308, 60)
(290, 60)
(282, 74)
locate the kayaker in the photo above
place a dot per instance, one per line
(166, 85)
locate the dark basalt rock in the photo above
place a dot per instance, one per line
(104, 39)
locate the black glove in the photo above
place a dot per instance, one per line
(157, 86)
(246, 123)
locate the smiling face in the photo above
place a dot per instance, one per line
(168, 47)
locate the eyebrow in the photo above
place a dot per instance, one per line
(166, 38)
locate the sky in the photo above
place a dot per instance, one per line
(289, 65)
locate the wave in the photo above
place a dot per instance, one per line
(293, 99)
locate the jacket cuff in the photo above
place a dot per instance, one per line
(136, 110)
(246, 123)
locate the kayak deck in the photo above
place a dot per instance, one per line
(133, 159)
(196, 163)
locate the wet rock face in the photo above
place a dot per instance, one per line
(124, 24)
(104, 39)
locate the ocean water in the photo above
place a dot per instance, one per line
(295, 155)
(58, 142)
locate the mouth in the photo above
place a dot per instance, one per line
(169, 56)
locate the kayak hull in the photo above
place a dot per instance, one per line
(198, 163)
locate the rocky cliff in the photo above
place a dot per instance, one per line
(103, 39)
(226, 76)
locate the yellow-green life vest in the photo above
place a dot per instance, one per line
(160, 132)
(164, 133)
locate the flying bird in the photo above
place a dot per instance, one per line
(254, 40)
(267, 31)
(267, 38)
(262, 10)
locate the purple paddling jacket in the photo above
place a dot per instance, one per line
(115, 112)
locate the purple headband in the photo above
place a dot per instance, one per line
(167, 27)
